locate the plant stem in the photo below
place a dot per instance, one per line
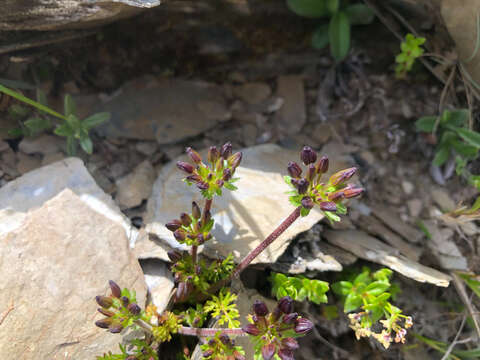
(194, 249)
(194, 254)
(203, 332)
(255, 252)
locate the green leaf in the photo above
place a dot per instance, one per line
(341, 209)
(332, 6)
(441, 156)
(471, 137)
(230, 186)
(426, 123)
(37, 125)
(360, 14)
(69, 107)
(362, 278)
(74, 123)
(331, 216)
(320, 37)
(63, 130)
(304, 212)
(382, 274)
(308, 8)
(287, 179)
(465, 150)
(472, 283)
(457, 118)
(352, 302)
(376, 288)
(95, 120)
(71, 146)
(339, 34)
(342, 288)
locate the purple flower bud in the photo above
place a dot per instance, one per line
(195, 178)
(227, 174)
(301, 185)
(174, 255)
(104, 323)
(311, 171)
(251, 329)
(196, 212)
(290, 344)
(235, 160)
(294, 170)
(179, 235)
(226, 150)
(290, 318)
(328, 206)
(220, 164)
(212, 341)
(105, 312)
(219, 183)
(213, 154)
(202, 185)
(260, 308)
(125, 301)
(195, 156)
(207, 353)
(322, 165)
(303, 326)
(342, 176)
(200, 239)
(173, 225)
(115, 329)
(336, 196)
(114, 288)
(308, 155)
(185, 218)
(184, 166)
(285, 304)
(307, 202)
(353, 192)
(224, 339)
(134, 309)
(268, 351)
(286, 354)
(104, 301)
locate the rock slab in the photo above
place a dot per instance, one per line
(53, 265)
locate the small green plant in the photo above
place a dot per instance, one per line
(453, 138)
(369, 292)
(75, 131)
(337, 32)
(411, 50)
(202, 292)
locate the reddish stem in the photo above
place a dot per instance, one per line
(203, 332)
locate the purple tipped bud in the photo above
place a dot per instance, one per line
(285, 304)
(195, 156)
(131, 357)
(294, 170)
(115, 329)
(105, 312)
(227, 174)
(301, 185)
(322, 166)
(202, 185)
(224, 339)
(260, 308)
(114, 288)
(104, 301)
(336, 196)
(290, 318)
(207, 353)
(290, 343)
(179, 235)
(235, 160)
(184, 166)
(219, 183)
(286, 354)
(312, 170)
(226, 150)
(185, 218)
(308, 155)
(174, 255)
(134, 309)
(268, 351)
(196, 212)
(200, 239)
(212, 341)
(125, 301)
(213, 154)
(194, 178)
(219, 165)
(303, 326)
(251, 329)
(342, 176)
(353, 192)
(307, 202)
(328, 206)
(104, 323)
(173, 225)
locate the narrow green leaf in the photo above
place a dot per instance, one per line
(352, 302)
(339, 34)
(71, 146)
(308, 8)
(320, 37)
(342, 288)
(376, 288)
(426, 123)
(69, 107)
(37, 125)
(95, 120)
(332, 6)
(466, 150)
(359, 14)
(87, 145)
(63, 130)
(457, 118)
(441, 156)
(471, 137)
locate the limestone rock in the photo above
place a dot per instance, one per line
(393, 221)
(243, 218)
(443, 200)
(159, 281)
(167, 110)
(252, 93)
(136, 186)
(292, 115)
(43, 144)
(68, 253)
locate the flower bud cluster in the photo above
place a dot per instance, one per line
(216, 173)
(192, 229)
(309, 190)
(221, 347)
(275, 331)
(119, 308)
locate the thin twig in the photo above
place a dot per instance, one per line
(6, 312)
(342, 352)
(460, 286)
(455, 340)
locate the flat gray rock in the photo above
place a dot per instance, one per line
(53, 265)
(243, 218)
